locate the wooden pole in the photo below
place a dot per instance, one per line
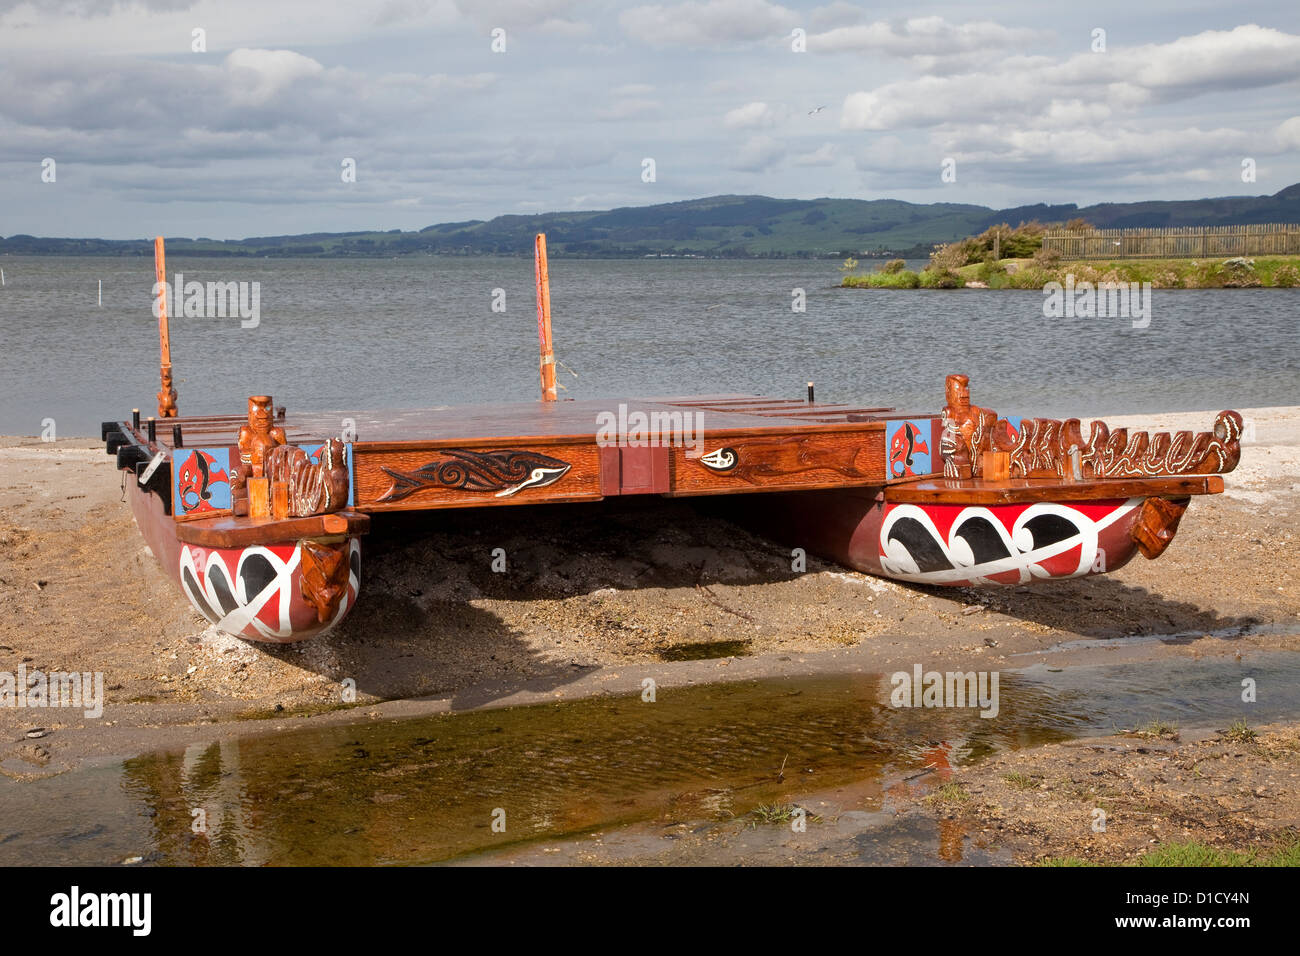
(167, 393)
(544, 320)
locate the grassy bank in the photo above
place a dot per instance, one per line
(1285, 852)
(1280, 272)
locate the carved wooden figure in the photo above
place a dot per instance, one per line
(1050, 448)
(259, 436)
(311, 488)
(166, 394)
(967, 430)
(324, 576)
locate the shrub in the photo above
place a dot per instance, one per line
(894, 280)
(1247, 281)
(1032, 277)
(882, 280)
(1287, 277)
(1083, 272)
(1018, 243)
(1048, 258)
(939, 278)
(952, 256)
(1239, 273)
(892, 266)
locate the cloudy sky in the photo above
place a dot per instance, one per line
(247, 136)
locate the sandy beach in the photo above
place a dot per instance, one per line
(593, 601)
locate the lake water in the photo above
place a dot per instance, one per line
(355, 334)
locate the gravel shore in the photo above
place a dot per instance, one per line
(593, 599)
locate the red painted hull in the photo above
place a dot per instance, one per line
(253, 592)
(954, 545)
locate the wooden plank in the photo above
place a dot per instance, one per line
(482, 425)
(230, 532)
(784, 463)
(416, 479)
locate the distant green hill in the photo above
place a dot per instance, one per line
(719, 226)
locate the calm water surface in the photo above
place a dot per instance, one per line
(414, 332)
(425, 790)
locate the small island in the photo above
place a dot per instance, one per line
(1029, 257)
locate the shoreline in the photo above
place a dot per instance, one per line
(595, 601)
(588, 588)
(1239, 272)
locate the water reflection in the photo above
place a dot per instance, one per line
(430, 789)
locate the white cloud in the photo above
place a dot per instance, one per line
(258, 76)
(1246, 57)
(707, 22)
(628, 109)
(1037, 90)
(834, 14)
(252, 130)
(261, 101)
(1288, 133)
(758, 153)
(749, 116)
(921, 36)
(827, 154)
(556, 17)
(161, 27)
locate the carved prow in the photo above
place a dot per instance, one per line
(1051, 448)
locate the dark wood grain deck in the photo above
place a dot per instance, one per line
(488, 455)
(568, 451)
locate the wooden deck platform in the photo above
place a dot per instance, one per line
(530, 452)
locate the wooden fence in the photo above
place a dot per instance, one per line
(1182, 242)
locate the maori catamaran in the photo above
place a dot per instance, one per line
(259, 516)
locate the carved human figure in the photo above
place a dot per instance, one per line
(967, 430)
(166, 394)
(259, 436)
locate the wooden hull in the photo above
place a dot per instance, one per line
(960, 545)
(253, 591)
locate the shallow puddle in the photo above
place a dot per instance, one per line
(455, 787)
(706, 651)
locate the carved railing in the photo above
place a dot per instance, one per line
(977, 443)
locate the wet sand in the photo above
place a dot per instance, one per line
(595, 599)
(1106, 801)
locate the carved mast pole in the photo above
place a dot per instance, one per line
(544, 320)
(167, 393)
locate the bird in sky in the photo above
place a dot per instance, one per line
(814, 112)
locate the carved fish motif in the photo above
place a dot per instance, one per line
(505, 472)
